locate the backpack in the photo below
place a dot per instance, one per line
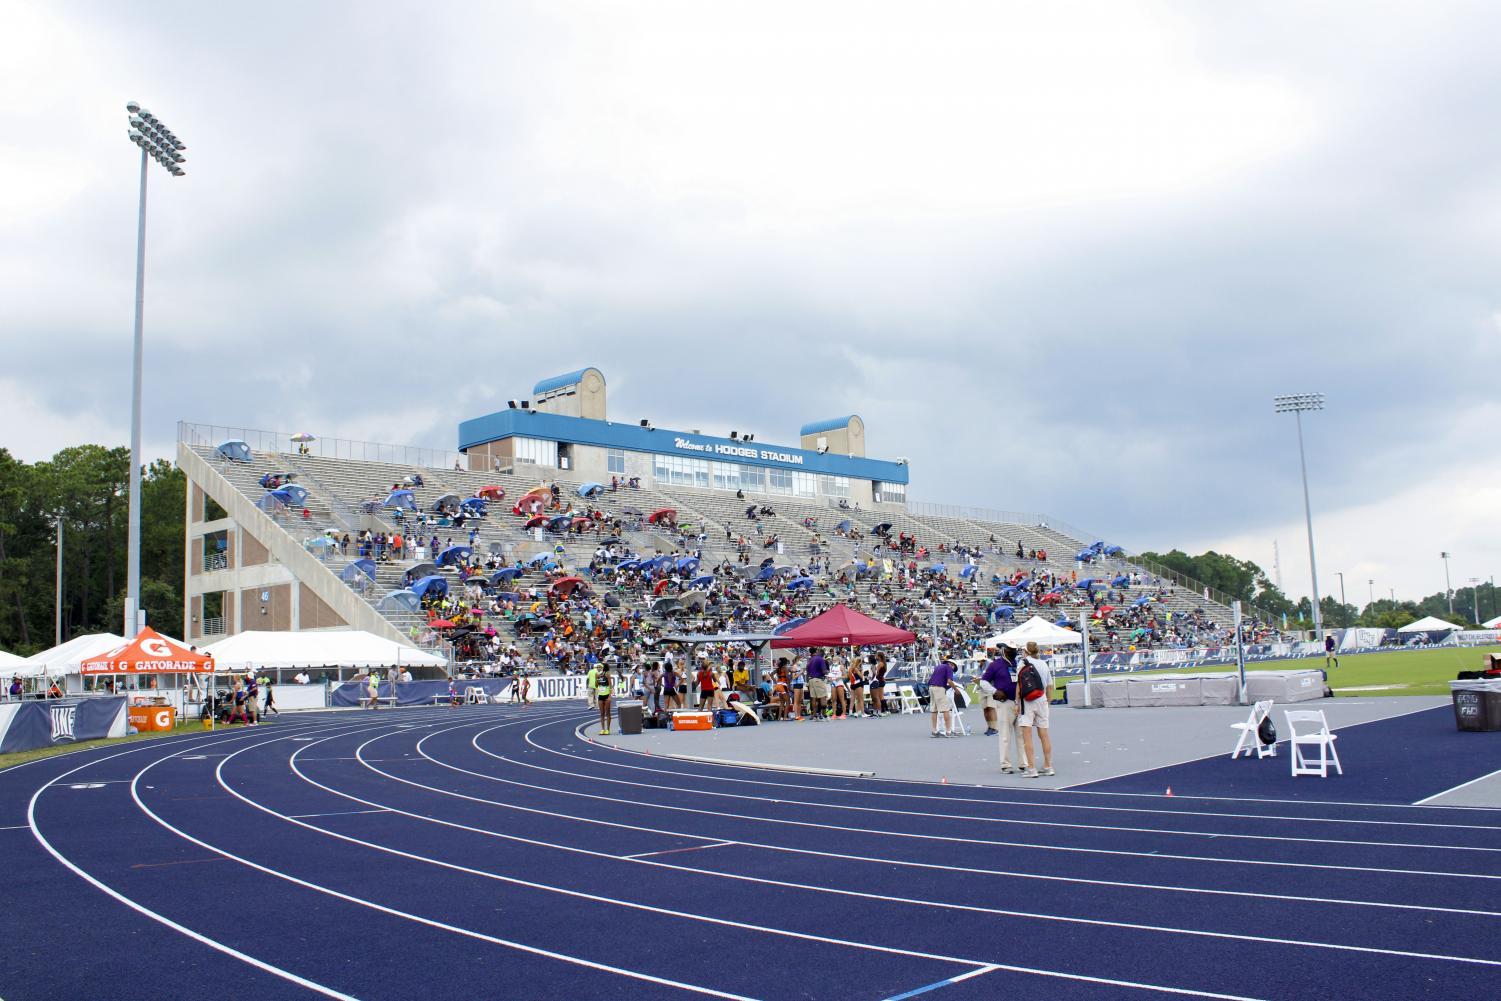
(1028, 683)
(1266, 732)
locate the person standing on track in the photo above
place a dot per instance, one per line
(1329, 652)
(603, 686)
(1002, 674)
(589, 680)
(1034, 688)
(270, 704)
(818, 683)
(941, 697)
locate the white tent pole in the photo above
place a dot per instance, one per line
(1084, 634)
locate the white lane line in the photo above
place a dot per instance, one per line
(17, 827)
(980, 966)
(674, 851)
(847, 807)
(1462, 785)
(1050, 804)
(1114, 852)
(139, 908)
(1232, 936)
(336, 813)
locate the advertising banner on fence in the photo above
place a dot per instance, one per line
(546, 688)
(28, 725)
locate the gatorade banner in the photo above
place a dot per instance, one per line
(44, 723)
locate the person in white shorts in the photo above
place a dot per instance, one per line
(1034, 712)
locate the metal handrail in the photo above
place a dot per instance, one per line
(261, 440)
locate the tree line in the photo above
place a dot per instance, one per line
(85, 488)
(1246, 581)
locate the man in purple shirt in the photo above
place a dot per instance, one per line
(988, 687)
(818, 683)
(1002, 674)
(940, 698)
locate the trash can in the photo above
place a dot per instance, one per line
(1477, 704)
(628, 715)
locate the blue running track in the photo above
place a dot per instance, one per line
(491, 852)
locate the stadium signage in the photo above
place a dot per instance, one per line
(742, 451)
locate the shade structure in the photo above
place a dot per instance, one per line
(843, 626)
(64, 659)
(324, 648)
(149, 653)
(1492, 623)
(1035, 630)
(1427, 624)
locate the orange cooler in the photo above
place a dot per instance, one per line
(692, 720)
(145, 718)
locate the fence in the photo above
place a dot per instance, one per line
(211, 435)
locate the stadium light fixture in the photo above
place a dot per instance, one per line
(159, 143)
(1298, 404)
(1448, 591)
(1475, 597)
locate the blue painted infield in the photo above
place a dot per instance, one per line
(1401, 759)
(571, 812)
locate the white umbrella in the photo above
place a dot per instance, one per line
(1037, 630)
(303, 436)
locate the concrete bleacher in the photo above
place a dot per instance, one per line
(341, 492)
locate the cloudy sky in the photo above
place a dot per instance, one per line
(1062, 256)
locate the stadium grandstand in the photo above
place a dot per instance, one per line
(554, 534)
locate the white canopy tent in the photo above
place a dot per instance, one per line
(334, 648)
(63, 661)
(1427, 624)
(1036, 630)
(1492, 624)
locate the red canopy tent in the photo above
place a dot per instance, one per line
(842, 626)
(149, 653)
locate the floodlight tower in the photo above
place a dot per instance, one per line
(1475, 597)
(1297, 405)
(158, 143)
(1448, 591)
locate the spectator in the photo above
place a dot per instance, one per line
(1034, 685)
(941, 697)
(818, 683)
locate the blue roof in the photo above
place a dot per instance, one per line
(605, 434)
(558, 382)
(832, 424)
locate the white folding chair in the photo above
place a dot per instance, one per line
(474, 695)
(907, 701)
(960, 727)
(1313, 732)
(1249, 740)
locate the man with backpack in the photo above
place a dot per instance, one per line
(1034, 686)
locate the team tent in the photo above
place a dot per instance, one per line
(842, 626)
(324, 648)
(64, 659)
(1036, 630)
(149, 653)
(1428, 624)
(1492, 623)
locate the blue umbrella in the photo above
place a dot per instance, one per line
(401, 499)
(968, 572)
(688, 563)
(453, 555)
(234, 450)
(800, 583)
(704, 580)
(1114, 551)
(628, 565)
(1004, 612)
(430, 585)
(1123, 580)
(767, 573)
(504, 574)
(843, 526)
(938, 568)
(401, 600)
(1061, 621)
(366, 567)
(789, 624)
(541, 560)
(291, 494)
(559, 523)
(591, 489)
(270, 503)
(476, 504)
(1143, 600)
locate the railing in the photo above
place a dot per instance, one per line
(214, 626)
(340, 511)
(211, 435)
(215, 561)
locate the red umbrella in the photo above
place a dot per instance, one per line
(442, 624)
(565, 585)
(842, 626)
(664, 514)
(491, 492)
(537, 521)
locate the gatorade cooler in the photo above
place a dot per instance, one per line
(692, 720)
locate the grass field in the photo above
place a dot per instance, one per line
(1398, 672)
(21, 757)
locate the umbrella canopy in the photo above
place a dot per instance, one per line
(359, 568)
(662, 606)
(448, 502)
(417, 571)
(968, 571)
(504, 574)
(938, 568)
(474, 504)
(491, 492)
(883, 528)
(273, 480)
(558, 523)
(1086, 583)
(633, 512)
(692, 599)
(612, 601)
(149, 653)
(536, 521)
(401, 499)
(407, 601)
(453, 556)
(433, 585)
(291, 494)
(660, 515)
(799, 583)
(541, 560)
(234, 450)
(843, 526)
(1143, 600)
(702, 581)
(688, 564)
(1123, 580)
(302, 436)
(1005, 612)
(1036, 630)
(843, 626)
(566, 585)
(591, 490)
